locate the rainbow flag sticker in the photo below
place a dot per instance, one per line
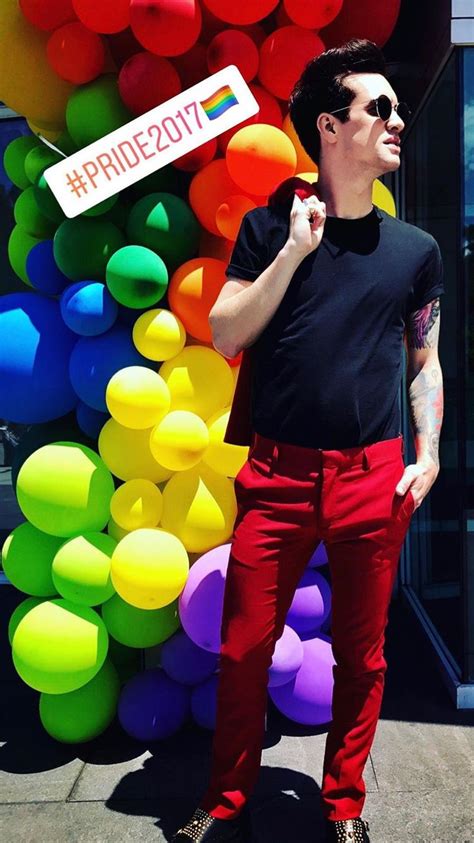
(219, 102)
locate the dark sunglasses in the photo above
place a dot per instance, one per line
(382, 107)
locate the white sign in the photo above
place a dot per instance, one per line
(151, 141)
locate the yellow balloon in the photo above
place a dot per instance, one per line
(137, 503)
(179, 440)
(382, 197)
(223, 457)
(310, 177)
(199, 380)
(127, 453)
(303, 160)
(28, 84)
(149, 568)
(137, 397)
(199, 507)
(158, 334)
(50, 134)
(115, 531)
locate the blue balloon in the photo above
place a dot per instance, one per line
(35, 348)
(89, 420)
(185, 662)
(152, 706)
(43, 271)
(204, 702)
(88, 308)
(95, 359)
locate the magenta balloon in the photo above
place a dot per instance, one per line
(311, 603)
(319, 557)
(202, 599)
(185, 662)
(204, 703)
(307, 698)
(287, 658)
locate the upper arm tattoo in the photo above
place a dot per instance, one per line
(423, 326)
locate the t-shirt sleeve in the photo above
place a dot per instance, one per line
(428, 283)
(250, 252)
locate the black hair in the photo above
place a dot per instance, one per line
(321, 87)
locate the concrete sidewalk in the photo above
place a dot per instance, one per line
(420, 775)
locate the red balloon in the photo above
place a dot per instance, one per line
(270, 112)
(312, 15)
(166, 27)
(192, 65)
(75, 53)
(363, 19)
(103, 15)
(241, 11)
(256, 32)
(283, 56)
(147, 80)
(197, 158)
(47, 14)
(122, 46)
(233, 47)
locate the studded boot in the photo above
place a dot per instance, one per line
(347, 831)
(204, 828)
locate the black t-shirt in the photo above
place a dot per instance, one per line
(327, 368)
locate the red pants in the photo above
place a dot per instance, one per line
(289, 499)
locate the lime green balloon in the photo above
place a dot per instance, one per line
(83, 246)
(139, 627)
(20, 244)
(27, 556)
(46, 200)
(38, 159)
(28, 215)
(65, 489)
(136, 276)
(166, 224)
(59, 646)
(95, 109)
(81, 569)
(21, 610)
(83, 714)
(14, 159)
(101, 207)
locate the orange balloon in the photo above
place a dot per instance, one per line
(259, 157)
(192, 292)
(303, 161)
(269, 112)
(229, 215)
(283, 57)
(209, 188)
(211, 246)
(75, 53)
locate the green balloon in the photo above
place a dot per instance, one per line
(20, 244)
(119, 213)
(139, 627)
(65, 143)
(101, 207)
(85, 713)
(136, 277)
(21, 610)
(165, 223)
(27, 556)
(165, 178)
(127, 660)
(46, 200)
(65, 489)
(14, 159)
(59, 646)
(38, 159)
(81, 568)
(95, 109)
(83, 246)
(28, 215)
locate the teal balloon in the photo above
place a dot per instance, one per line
(136, 277)
(27, 557)
(83, 246)
(14, 159)
(95, 109)
(28, 215)
(165, 223)
(83, 714)
(46, 200)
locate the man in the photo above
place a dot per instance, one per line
(324, 293)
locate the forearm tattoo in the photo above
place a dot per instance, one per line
(426, 406)
(423, 328)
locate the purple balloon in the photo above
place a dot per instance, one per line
(307, 698)
(204, 702)
(185, 662)
(287, 658)
(319, 556)
(202, 599)
(152, 706)
(311, 603)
